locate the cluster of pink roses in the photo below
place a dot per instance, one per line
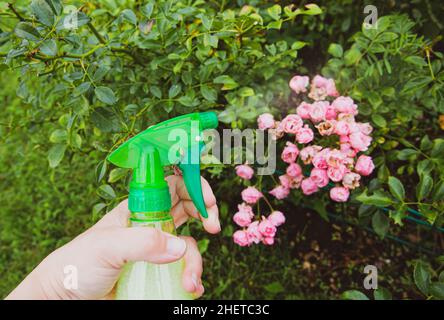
(337, 165)
(328, 114)
(262, 230)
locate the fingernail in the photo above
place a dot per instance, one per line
(175, 246)
(194, 280)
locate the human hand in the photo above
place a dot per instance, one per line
(100, 252)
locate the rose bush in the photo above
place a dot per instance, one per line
(332, 158)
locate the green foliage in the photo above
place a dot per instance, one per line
(112, 72)
(396, 77)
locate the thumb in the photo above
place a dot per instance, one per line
(119, 245)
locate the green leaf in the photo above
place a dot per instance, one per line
(352, 56)
(353, 295)
(56, 6)
(227, 81)
(424, 167)
(155, 91)
(380, 224)
(26, 31)
(81, 89)
(105, 120)
(438, 193)
(274, 287)
(275, 12)
(382, 294)
(49, 47)
(174, 90)
(438, 148)
(101, 170)
(202, 245)
(437, 290)
(335, 50)
(106, 95)
(129, 16)
(107, 192)
(55, 154)
(147, 10)
(313, 9)
(208, 93)
(396, 188)
(379, 120)
(424, 187)
(58, 136)
(116, 174)
(246, 92)
(421, 276)
(98, 207)
(377, 199)
(210, 40)
(418, 61)
(43, 12)
(275, 25)
(405, 154)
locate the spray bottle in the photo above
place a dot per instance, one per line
(177, 141)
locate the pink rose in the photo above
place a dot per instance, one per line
(339, 194)
(330, 113)
(364, 165)
(285, 181)
(251, 195)
(277, 218)
(336, 174)
(342, 128)
(351, 180)
(303, 110)
(320, 159)
(267, 229)
(334, 158)
(244, 171)
(347, 150)
(294, 170)
(308, 186)
(360, 141)
(265, 121)
(291, 123)
(269, 241)
(346, 117)
(365, 128)
(280, 192)
(253, 233)
(319, 177)
(240, 237)
(308, 153)
(344, 139)
(322, 87)
(290, 152)
(276, 132)
(243, 217)
(304, 135)
(345, 105)
(318, 111)
(326, 128)
(331, 88)
(288, 183)
(299, 83)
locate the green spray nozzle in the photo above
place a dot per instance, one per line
(177, 141)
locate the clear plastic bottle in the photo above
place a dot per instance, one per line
(147, 281)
